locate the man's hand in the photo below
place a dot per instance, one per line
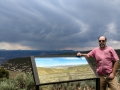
(111, 76)
(78, 54)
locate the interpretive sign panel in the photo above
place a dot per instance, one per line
(60, 69)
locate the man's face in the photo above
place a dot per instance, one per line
(102, 42)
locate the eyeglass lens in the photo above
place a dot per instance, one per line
(101, 40)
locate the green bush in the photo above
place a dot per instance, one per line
(30, 82)
(4, 73)
(25, 81)
(7, 85)
(21, 82)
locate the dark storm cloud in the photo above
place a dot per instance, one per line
(58, 24)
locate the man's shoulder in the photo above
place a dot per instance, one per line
(109, 47)
(95, 49)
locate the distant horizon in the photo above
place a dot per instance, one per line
(42, 50)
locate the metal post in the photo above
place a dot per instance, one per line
(37, 87)
(97, 83)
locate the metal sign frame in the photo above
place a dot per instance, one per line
(36, 76)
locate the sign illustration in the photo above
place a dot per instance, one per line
(57, 69)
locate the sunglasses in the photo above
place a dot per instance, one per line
(101, 40)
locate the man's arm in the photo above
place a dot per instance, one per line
(81, 54)
(115, 66)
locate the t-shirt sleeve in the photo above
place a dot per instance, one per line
(92, 53)
(115, 56)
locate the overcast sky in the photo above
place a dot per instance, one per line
(58, 24)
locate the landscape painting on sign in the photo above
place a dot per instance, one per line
(57, 69)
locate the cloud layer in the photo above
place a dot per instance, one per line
(58, 24)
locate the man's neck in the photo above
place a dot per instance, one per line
(103, 47)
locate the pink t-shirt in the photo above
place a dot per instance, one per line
(104, 59)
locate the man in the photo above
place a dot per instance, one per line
(107, 63)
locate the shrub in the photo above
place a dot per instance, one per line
(7, 85)
(21, 82)
(25, 81)
(4, 73)
(30, 82)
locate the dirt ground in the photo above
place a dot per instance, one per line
(13, 73)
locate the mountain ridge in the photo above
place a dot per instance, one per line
(10, 54)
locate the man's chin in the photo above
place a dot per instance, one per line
(102, 46)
